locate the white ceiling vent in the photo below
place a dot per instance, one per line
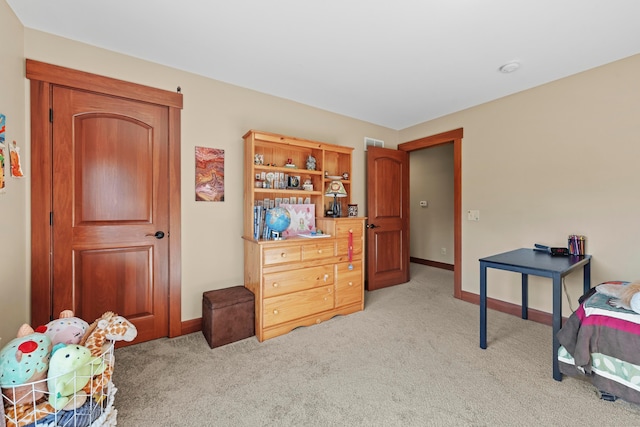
(370, 142)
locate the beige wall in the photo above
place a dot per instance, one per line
(215, 115)
(14, 251)
(431, 180)
(555, 160)
(539, 165)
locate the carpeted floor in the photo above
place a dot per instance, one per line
(411, 358)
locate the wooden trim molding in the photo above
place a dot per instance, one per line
(509, 308)
(435, 264)
(43, 77)
(191, 326)
(54, 74)
(455, 137)
(175, 218)
(41, 203)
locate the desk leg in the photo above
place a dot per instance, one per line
(557, 323)
(586, 277)
(525, 296)
(483, 305)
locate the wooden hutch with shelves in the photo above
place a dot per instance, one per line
(300, 281)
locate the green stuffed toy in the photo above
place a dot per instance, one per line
(71, 367)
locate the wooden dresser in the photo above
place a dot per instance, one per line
(300, 281)
(304, 281)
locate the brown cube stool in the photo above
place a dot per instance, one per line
(227, 315)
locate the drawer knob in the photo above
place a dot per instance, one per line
(275, 311)
(350, 283)
(319, 251)
(275, 285)
(283, 255)
(326, 277)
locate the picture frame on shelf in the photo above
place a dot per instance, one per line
(294, 182)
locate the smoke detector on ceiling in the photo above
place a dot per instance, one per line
(509, 67)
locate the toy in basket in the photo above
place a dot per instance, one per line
(73, 378)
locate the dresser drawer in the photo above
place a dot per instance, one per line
(296, 280)
(349, 284)
(293, 306)
(343, 247)
(343, 228)
(281, 255)
(318, 250)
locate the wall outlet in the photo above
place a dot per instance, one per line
(424, 203)
(473, 215)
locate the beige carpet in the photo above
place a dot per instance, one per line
(411, 358)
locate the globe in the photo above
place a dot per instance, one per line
(278, 219)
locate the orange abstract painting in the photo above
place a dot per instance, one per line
(209, 174)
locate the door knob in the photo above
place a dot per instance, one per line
(158, 235)
(372, 226)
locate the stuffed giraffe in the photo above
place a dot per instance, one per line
(25, 413)
(110, 327)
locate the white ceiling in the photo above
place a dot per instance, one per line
(395, 63)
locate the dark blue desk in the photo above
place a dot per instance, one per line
(528, 261)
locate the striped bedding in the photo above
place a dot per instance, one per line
(601, 343)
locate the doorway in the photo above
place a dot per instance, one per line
(431, 212)
(454, 137)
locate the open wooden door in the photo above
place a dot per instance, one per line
(388, 217)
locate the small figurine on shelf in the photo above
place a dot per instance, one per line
(289, 164)
(311, 163)
(308, 185)
(258, 159)
(345, 175)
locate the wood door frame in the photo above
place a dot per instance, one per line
(43, 76)
(455, 137)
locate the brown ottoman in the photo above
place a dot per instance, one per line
(227, 315)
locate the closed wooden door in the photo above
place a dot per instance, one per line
(388, 217)
(110, 209)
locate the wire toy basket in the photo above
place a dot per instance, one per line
(90, 406)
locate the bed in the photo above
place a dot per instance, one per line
(601, 343)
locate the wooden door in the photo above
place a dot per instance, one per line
(388, 217)
(110, 163)
(105, 162)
